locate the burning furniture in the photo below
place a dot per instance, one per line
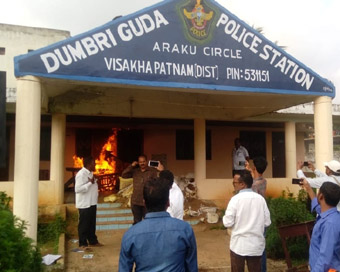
(106, 166)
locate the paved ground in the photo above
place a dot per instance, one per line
(212, 248)
(213, 253)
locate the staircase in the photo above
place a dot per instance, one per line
(112, 216)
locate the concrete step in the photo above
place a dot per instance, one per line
(120, 218)
(111, 216)
(108, 205)
(117, 226)
(108, 212)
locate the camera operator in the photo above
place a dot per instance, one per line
(324, 245)
(332, 174)
(141, 173)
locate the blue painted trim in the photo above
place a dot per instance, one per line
(109, 205)
(114, 219)
(120, 211)
(180, 85)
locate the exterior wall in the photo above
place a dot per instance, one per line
(221, 190)
(17, 40)
(162, 140)
(300, 146)
(46, 191)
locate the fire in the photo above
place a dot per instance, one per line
(106, 162)
(77, 162)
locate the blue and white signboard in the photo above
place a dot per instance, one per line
(177, 43)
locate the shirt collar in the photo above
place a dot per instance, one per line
(246, 190)
(87, 170)
(156, 214)
(328, 212)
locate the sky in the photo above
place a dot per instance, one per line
(310, 29)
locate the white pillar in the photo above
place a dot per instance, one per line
(200, 153)
(58, 155)
(290, 146)
(323, 129)
(27, 146)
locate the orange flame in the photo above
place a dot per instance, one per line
(106, 163)
(77, 162)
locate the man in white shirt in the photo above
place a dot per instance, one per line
(176, 198)
(332, 169)
(247, 215)
(86, 189)
(239, 156)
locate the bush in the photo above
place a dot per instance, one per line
(50, 231)
(17, 252)
(287, 210)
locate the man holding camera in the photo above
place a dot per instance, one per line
(332, 174)
(141, 173)
(325, 244)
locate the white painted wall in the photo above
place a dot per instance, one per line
(17, 40)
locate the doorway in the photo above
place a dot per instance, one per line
(279, 154)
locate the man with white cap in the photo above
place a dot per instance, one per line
(332, 174)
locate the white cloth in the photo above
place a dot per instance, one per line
(319, 180)
(239, 158)
(50, 259)
(176, 200)
(86, 192)
(247, 215)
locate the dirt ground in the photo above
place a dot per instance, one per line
(212, 249)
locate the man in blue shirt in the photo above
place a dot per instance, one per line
(324, 250)
(159, 242)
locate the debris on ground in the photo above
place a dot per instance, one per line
(88, 256)
(206, 211)
(188, 186)
(50, 259)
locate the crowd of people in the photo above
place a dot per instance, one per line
(160, 240)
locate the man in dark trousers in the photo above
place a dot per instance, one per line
(141, 173)
(159, 242)
(86, 189)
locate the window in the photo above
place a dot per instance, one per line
(254, 142)
(2, 50)
(185, 144)
(45, 143)
(29, 50)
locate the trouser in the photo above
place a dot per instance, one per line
(138, 213)
(87, 226)
(264, 256)
(264, 261)
(238, 261)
